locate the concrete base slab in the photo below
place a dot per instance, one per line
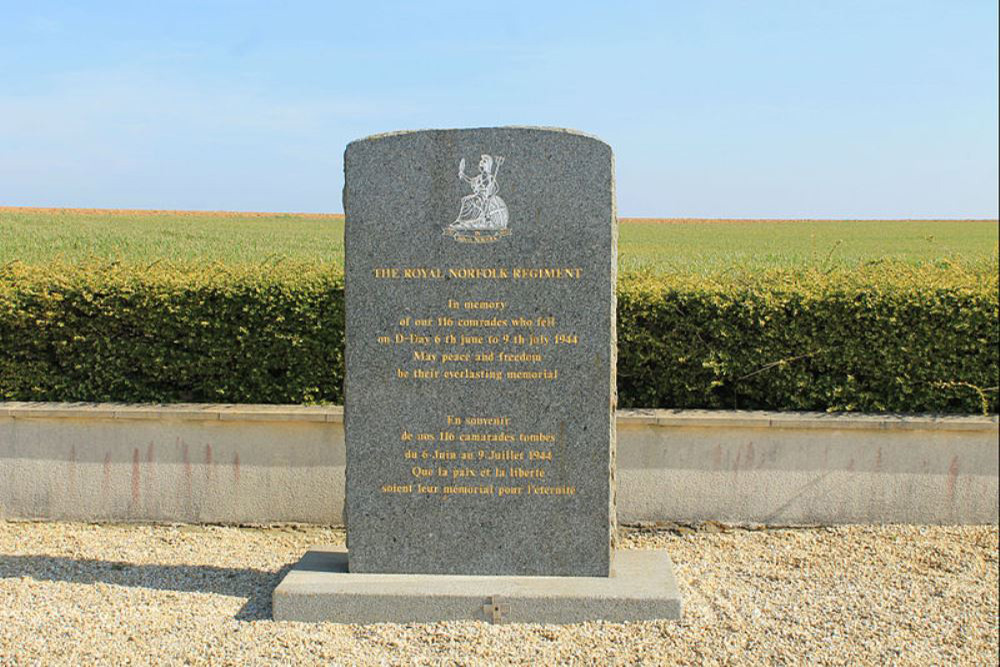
(320, 588)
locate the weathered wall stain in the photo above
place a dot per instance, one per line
(106, 475)
(186, 462)
(952, 478)
(135, 478)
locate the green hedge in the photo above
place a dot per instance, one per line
(890, 338)
(883, 338)
(166, 334)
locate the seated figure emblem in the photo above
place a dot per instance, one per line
(483, 214)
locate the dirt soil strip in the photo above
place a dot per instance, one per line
(137, 212)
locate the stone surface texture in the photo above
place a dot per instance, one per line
(402, 197)
(320, 588)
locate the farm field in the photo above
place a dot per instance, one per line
(35, 236)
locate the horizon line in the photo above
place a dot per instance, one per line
(261, 214)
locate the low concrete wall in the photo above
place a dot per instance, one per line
(259, 464)
(774, 468)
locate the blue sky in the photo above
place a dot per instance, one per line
(714, 109)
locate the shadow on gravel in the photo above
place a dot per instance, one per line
(254, 585)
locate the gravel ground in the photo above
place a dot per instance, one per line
(80, 594)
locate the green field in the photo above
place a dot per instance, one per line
(37, 236)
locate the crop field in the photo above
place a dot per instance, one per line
(36, 236)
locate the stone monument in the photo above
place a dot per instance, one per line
(480, 389)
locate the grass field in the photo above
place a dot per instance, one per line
(697, 246)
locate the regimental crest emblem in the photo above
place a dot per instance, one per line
(483, 215)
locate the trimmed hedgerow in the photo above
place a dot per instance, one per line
(169, 334)
(889, 338)
(883, 338)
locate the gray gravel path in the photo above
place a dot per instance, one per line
(112, 594)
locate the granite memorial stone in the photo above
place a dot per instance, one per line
(480, 278)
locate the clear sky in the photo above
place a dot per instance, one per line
(792, 109)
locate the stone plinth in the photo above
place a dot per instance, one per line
(320, 588)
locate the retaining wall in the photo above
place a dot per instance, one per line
(260, 464)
